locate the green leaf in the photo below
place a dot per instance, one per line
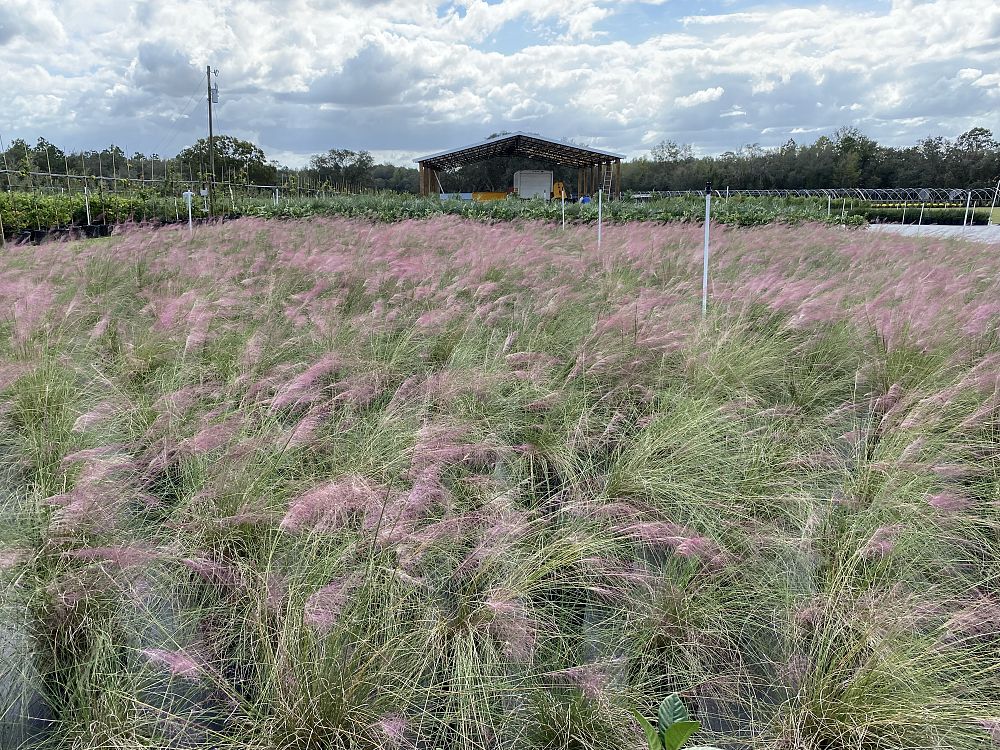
(678, 734)
(652, 737)
(671, 709)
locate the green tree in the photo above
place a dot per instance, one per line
(243, 160)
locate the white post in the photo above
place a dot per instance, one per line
(563, 207)
(994, 204)
(903, 220)
(188, 197)
(843, 210)
(276, 196)
(920, 219)
(599, 216)
(968, 202)
(704, 275)
(86, 201)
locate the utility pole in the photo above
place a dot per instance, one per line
(213, 96)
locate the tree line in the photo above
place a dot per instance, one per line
(847, 159)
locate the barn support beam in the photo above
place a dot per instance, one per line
(428, 181)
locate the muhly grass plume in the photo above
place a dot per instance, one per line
(462, 485)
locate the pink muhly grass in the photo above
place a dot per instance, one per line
(303, 388)
(992, 728)
(325, 507)
(499, 532)
(448, 528)
(100, 413)
(810, 614)
(254, 350)
(11, 558)
(102, 490)
(545, 403)
(913, 450)
(952, 471)
(324, 607)
(247, 517)
(177, 663)
(681, 540)
(530, 360)
(949, 501)
(122, 556)
(444, 446)
(209, 438)
(169, 311)
(91, 454)
(360, 390)
(11, 373)
(393, 726)
(213, 571)
(981, 618)
(591, 679)
(200, 319)
(888, 401)
(31, 309)
(613, 510)
(983, 415)
(85, 507)
(512, 626)
(508, 342)
(306, 429)
(100, 327)
(276, 591)
(882, 541)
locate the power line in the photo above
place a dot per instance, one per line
(168, 140)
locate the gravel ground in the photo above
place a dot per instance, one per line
(989, 234)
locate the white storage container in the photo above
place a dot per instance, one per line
(533, 183)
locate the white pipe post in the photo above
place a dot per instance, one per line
(563, 207)
(188, 198)
(829, 206)
(968, 202)
(600, 216)
(704, 274)
(993, 205)
(920, 219)
(903, 220)
(276, 196)
(86, 201)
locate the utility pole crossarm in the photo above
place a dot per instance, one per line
(211, 143)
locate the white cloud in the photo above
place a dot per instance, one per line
(404, 77)
(700, 97)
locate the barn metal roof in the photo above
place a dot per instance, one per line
(529, 145)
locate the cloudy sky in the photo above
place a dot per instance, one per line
(407, 77)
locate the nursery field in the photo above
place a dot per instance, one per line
(441, 483)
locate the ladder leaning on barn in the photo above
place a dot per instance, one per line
(608, 179)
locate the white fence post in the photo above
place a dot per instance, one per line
(704, 275)
(86, 201)
(600, 216)
(968, 202)
(188, 197)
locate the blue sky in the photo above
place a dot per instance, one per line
(406, 77)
